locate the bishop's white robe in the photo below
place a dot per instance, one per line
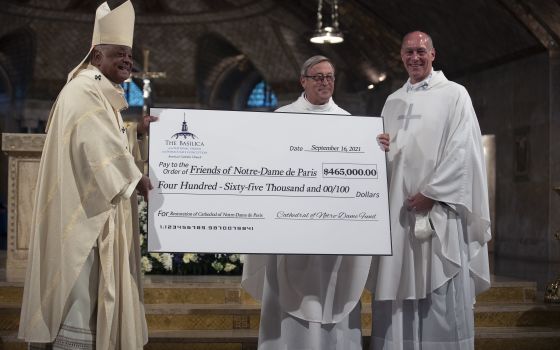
(424, 293)
(308, 301)
(83, 211)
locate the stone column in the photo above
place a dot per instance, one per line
(554, 153)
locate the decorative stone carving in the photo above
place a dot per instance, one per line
(19, 143)
(24, 154)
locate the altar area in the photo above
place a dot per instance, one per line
(214, 312)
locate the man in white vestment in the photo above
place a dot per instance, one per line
(83, 284)
(424, 293)
(309, 301)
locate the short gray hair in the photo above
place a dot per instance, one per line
(313, 61)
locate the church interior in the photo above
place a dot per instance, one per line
(245, 55)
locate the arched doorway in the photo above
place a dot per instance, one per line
(226, 78)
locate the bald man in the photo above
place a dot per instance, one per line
(424, 293)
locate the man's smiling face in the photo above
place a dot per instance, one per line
(417, 54)
(114, 61)
(318, 83)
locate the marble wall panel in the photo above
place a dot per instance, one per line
(24, 153)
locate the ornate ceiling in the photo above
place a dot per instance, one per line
(469, 36)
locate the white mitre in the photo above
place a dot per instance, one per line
(114, 27)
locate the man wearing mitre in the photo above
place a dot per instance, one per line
(83, 284)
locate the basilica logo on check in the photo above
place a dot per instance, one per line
(183, 144)
(184, 133)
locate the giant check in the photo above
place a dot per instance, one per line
(255, 182)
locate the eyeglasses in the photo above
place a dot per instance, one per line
(319, 78)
